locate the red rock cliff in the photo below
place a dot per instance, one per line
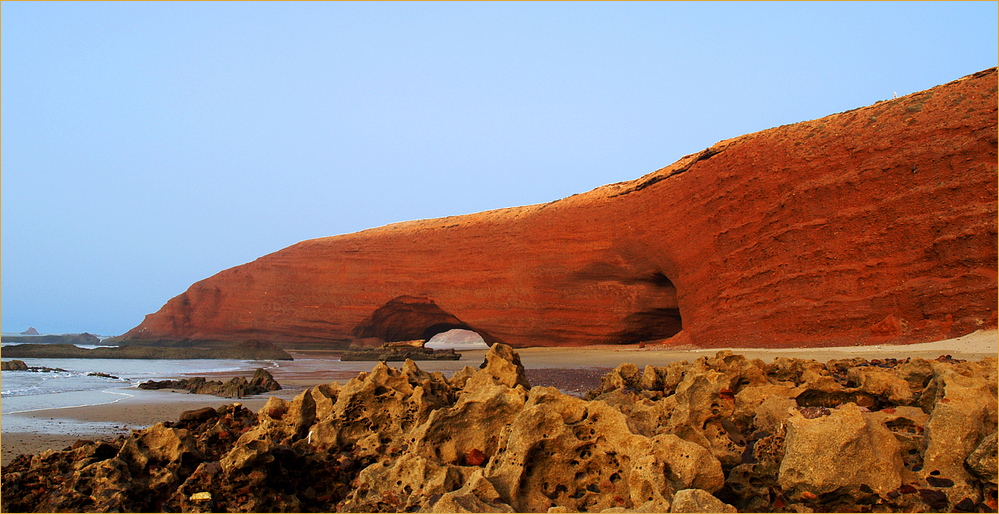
(872, 225)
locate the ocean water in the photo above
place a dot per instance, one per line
(24, 391)
(23, 394)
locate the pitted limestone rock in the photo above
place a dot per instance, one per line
(982, 461)
(474, 422)
(403, 484)
(961, 418)
(408, 440)
(703, 401)
(379, 408)
(477, 495)
(749, 400)
(842, 451)
(325, 396)
(504, 366)
(883, 383)
(162, 446)
(625, 376)
(563, 451)
(697, 500)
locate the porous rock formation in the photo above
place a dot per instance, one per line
(236, 387)
(872, 225)
(719, 434)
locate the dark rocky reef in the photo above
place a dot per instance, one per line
(719, 434)
(251, 349)
(368, 349)
(84, 338)
(237, 387)
(13, 365)
(400, 355)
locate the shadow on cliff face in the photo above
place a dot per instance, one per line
(657, 311)
(406, 318)
(655, 314)
(650, 325)
(659, 322)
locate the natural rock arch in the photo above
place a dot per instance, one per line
(868, 226)
(407, 318)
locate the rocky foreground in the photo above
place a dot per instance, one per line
(716, 435)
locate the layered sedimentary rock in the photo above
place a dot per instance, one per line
(720, 434)
(867, 226)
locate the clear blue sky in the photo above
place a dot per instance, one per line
(146, 146)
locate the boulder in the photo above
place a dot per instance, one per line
(982, 461)
(13, 365)
(504, 366)
(883, 383)
(473, 423)
(477, 495)
(379, 408)
(846, 451)
(959, 421)
(624, 376)
(403, 484)
(697, 500)
(704, 401)
(563, 451)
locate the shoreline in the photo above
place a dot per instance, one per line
(572, 370)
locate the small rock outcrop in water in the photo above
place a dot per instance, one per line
(19, 365)
(717, 435)
(238, 387)
(102, 375)
(13, 365)
(30, 332)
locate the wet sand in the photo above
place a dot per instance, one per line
(573, 370)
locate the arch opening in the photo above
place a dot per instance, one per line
(660, 319)
(458, 339)
(410, 318)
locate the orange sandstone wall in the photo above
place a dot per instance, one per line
(873, 225)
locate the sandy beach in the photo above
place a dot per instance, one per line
(573, 370)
